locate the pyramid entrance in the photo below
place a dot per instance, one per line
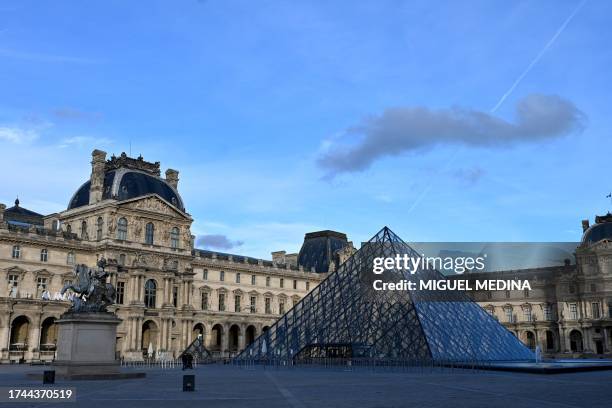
(345, 317)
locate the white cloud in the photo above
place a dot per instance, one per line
(18, 135)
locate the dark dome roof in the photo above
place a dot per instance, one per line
(319, 248)
(124, 184)
(602, 229)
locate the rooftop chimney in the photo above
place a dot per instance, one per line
(278, 257)
(585, 225)
(172, 178)
(98, 162)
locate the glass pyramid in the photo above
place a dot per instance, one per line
(345, 317)
(197, 349)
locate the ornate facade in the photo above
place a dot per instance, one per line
(167, 292)
(568, 312)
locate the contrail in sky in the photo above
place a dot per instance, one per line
(537, 58)
(507, 94)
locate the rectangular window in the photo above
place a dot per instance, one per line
(282, 283)
(268, 305)
(222, 302)
(527, 314)
(41, 283)
(204, 301)
(16, 254)
(14, 280)
(294, 284)
(267, 281)
(44, 255)
(175, 296)
(595, 310)
(573, 311)
(253, 304)
(237, 300)
(253, 279)
(221, 276)
(508, 313)
(238, 277)
(205, 274)
(120, 292)
(547, 312)
(307, 286)
(281, 307)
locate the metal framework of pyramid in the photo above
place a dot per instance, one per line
(197, 349)
(345, 317)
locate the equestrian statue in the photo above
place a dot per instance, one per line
(92, 293)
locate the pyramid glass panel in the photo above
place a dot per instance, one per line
(344, 316)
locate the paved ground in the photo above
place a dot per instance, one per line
(227, 386)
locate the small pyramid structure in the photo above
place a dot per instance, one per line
(344, 316)
(197, 349)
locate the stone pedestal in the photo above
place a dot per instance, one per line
(86, 346)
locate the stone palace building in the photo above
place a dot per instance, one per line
(568, 312)
(168, 292)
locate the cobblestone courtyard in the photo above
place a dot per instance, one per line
(227, 386)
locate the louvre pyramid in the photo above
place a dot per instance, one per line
(344, 315)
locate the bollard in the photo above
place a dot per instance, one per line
(49, 377)
(189, 382)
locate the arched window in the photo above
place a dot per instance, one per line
(122, 229)
(149, 233)
(44, 255)
(16, 254)
(48, 334)
(174, 238)
(70, 258)
(150, 289)
(99, 226)
(84, 230)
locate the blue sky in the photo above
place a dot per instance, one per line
(264, 107)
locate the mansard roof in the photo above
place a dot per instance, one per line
(22, 216)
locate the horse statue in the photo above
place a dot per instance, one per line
(93, 294)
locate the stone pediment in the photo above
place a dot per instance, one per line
(15, 270)
(41, 273)
(153, 203)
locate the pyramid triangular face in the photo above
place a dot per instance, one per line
(344, 316)
(197, 349)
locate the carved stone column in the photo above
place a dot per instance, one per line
(134, 333)
(34, 335)
(225, 339)
(133, 289)
(167, 291)
(139, 332)
(241, 337)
